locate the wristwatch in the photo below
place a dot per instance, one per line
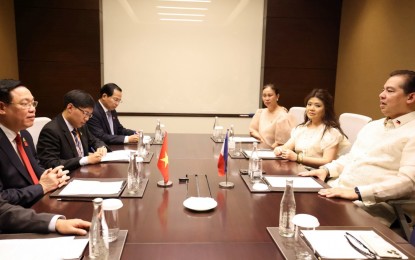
(356, 189)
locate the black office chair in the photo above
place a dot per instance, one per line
(406, 224)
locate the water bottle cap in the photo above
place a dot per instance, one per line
(305, 221)
(146, 139)
(139, 159)
(97, 200)
(112, 204)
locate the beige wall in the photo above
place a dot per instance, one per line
(376, 37)
(8, 48)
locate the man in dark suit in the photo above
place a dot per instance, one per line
(105, 124)
(22, 180)
(66, 139)
(15, 219)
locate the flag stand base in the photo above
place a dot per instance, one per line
(164, 184)
(226, 184)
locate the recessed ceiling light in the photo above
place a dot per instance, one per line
(182, 8)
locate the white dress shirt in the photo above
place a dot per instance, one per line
(381, 163)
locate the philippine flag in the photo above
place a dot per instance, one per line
(223, 158)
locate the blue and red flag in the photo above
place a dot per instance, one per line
(223, 158)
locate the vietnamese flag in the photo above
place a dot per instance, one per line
(223, 157)
(163, 163)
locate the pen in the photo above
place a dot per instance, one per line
(92, 149)
(75, 199)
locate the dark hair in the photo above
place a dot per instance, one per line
(78, 98)
(329, 119)
(109, 89)
(273, 87)
(7, 86)
(409, 85)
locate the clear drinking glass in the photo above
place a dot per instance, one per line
(238, 148)
(111, 207)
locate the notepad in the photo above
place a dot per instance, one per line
(243, 139)
(263, 154)
(119, 155)
(333, 244)
(45, 248)
(298, 182)
(86, 187)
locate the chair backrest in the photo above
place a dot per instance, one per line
(37, 126)
(297, 113)
(352, 123)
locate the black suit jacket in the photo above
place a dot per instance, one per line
(56, 145)
(100, 127)
(16, 185)
(17, 219)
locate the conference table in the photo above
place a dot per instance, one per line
(160, 227)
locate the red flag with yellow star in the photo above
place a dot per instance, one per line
(163, 163)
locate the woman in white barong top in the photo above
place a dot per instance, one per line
(271, 125)
(319, 139)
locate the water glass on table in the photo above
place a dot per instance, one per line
(111, 207)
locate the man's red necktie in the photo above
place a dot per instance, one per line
(25, 159)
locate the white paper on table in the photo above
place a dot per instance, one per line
(264, 154)
(333, 244)
(244, 139)
(298, 182)
(85, 187)
(43, 248)
(119, 155)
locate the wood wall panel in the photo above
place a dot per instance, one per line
(301, 45)
(295, 83)
(58, 49)
(51, 80)
(302, 8)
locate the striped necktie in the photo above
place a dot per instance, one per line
(78, 143)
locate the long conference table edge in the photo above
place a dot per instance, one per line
(160, 227)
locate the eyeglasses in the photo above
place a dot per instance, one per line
(86, 114)
(359, 246)
(26, 105)
(117, 100)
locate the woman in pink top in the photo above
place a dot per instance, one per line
(271, 125)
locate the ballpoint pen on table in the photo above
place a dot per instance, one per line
(75, 199)
(197, 185)
(207, 181)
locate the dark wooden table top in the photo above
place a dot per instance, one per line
(160, 227)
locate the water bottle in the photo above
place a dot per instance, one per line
(158, 136)
(253, 161)
(141, 146)
(98, 233)
(133, 180)
(287, 211)
(215, 124)
(231, 141)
